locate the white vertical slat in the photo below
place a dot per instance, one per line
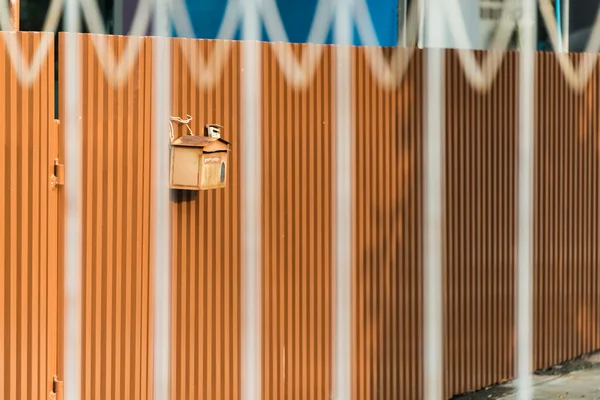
(342, 283)
(525, 199)
(161, 211)
(251, 200)
(73, 216)
(118, 17)
(566, 15)
(434, 164)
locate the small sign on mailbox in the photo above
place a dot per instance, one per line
(199, 162)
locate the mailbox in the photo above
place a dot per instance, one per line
(199, 162)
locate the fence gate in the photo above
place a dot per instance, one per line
(29, 225)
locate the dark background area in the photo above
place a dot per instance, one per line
(33, 13)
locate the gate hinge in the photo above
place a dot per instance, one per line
(58, 175)
(57, 389)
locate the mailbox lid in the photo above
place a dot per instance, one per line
(208, 144)
(217, 147)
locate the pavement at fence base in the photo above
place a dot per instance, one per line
(576, 379)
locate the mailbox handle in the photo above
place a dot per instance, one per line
(180, 121)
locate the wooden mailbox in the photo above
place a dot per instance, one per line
(199, 163)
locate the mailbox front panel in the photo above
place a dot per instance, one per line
(214, 170)
(185, 168)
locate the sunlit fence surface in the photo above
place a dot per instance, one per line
(316, 251)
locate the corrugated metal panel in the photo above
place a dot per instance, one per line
(116, 131)
(297, 126)
(117, 275)
(481, 140)
(28, 221)
(567, 230)
(206, 236)
(479, 258)
(297, 164)
(387, 236)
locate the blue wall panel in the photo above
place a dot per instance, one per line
(297, 17)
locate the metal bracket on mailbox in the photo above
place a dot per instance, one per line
(213, 130)
(58, 175)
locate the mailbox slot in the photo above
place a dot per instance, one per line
(213, 170)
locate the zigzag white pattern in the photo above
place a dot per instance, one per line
(580, 78)
(206, 74)
(298, 74)
(27, 73)
(481, 78)
(116, 73)
(389, 77)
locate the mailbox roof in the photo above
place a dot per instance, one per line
(201, 141)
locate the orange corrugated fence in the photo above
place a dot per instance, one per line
(29, 215)
(297, 153)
